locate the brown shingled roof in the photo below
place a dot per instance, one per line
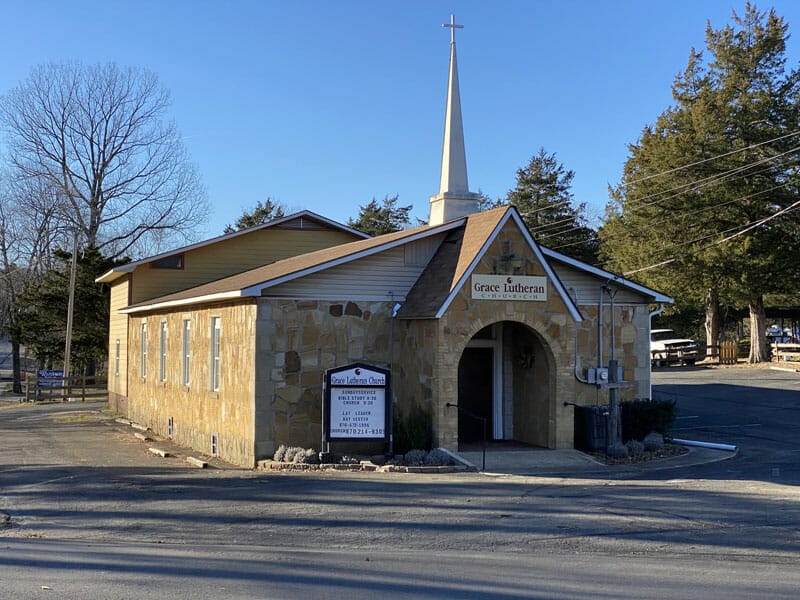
(248, 282)
(449, 264)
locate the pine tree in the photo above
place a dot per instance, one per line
(378, 219)
(707, 207)
(263, 212)
(544, 199)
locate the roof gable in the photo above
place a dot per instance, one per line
(452, 265)
(303, 220)
(607, 277)
(254, 281)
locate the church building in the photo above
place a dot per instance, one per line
(223, 345)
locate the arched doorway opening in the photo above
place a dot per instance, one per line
(505, 380)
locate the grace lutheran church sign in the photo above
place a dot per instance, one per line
(509, 287)
(357, 403)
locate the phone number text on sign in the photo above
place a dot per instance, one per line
(358, 413)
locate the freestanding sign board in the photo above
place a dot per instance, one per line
(357, 404)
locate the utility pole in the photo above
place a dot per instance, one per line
(70, 310)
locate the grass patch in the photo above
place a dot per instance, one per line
(79, 417)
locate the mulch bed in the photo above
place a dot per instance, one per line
(667, 451)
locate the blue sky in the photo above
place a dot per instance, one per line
(324, 105)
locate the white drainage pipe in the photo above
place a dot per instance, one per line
(712, 445)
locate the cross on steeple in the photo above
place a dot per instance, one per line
(454, 198)
(452, 26)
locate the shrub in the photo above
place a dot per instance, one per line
(640, 417)
(291, 452)
(415, 457)
(307, 456)
(653, 441)
(438, 458)
(635, 447)
(280, 453)
(412, 429)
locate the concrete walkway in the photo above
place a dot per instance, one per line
(573, 462)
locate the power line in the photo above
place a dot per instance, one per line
(705, 160)
(748, 227)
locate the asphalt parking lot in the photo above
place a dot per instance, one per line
(87, 512)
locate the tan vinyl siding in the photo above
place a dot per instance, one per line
(585, 288)
(384, 276)
(232, 256)
(118, 330)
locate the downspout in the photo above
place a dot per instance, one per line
(395, 310)
(600, 327)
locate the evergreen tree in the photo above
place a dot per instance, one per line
(378, 219)
(544, 199)
(707, 207)
(43, 312)
(263, 212)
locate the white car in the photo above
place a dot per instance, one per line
(667, 349)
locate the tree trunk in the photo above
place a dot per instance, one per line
(712, 323)
(758, 332)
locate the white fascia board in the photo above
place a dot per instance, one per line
(573, 309)
(325, 298)
(113, 274)
(255, 290)
(182, 302)
(657, 297)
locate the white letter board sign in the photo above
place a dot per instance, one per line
(357, 403)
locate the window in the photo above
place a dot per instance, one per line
(168, 262)
(162, 352)
(143, 364)
(116, 358)
(187, 331)
(215, 335)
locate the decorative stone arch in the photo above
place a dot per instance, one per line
(524, 382)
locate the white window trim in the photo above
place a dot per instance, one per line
(162, 351)
(215, 339)
(116, 357)
(143, 350)
(186, 353)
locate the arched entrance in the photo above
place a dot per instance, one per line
(505, 379)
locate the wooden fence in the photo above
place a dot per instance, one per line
(64, 389)
(728, 352)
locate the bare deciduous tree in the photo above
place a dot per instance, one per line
(29, 232)
(98, 136)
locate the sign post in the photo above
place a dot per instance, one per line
(357, 405)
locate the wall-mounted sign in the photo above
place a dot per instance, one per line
(509, 287)
(357, 405)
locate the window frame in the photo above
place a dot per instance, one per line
(214, 347)
(162, 351)
(186, 352)
(143, 350)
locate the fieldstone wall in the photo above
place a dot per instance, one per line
(196, 410)
(296, 341)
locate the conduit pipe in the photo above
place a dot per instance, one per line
(574, 295)
(712, 445)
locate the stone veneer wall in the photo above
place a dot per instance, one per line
(555, 328)
(296, 341)
(196, 410)
(416, 371)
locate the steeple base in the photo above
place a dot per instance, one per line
(447, 206)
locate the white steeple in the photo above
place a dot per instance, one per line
(454, 198)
